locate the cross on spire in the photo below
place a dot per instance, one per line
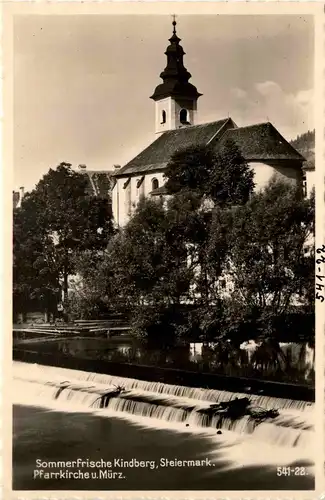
(174, 24)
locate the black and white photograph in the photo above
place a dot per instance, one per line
(164, 266)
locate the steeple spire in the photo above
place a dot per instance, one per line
(175, 98)
(175, 76)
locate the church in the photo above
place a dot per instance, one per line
(176, 103)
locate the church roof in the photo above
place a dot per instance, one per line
(261, 142)
(256, 142)
(158, 153)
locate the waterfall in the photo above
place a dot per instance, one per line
(212, 395)
(44, 386)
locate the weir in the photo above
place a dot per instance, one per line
(41, 385)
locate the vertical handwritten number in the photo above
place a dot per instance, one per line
(320, 261)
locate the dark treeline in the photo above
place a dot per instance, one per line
(304, 142)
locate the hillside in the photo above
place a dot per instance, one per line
(305, 144)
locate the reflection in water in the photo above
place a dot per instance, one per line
(124, 349)
(196, 351)
(292, 362)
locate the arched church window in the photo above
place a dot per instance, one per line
(154, 184)
(183, 116)
(163, 116)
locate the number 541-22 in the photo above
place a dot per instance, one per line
(288, 471)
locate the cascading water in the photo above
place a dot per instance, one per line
(185, 406)
(42, 372)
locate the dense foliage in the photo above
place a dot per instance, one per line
(57, 220)
(270, 261)
(214, 259)
(222, 176)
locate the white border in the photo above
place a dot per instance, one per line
(52, 7)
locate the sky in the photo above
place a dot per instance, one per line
(82, 83)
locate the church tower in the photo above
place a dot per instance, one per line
(175, 98)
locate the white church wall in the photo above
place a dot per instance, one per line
(149, 178)
(134, 194)
(310, 180)
(122, 207)
(115, 203)
(119, 200)
(264, 173)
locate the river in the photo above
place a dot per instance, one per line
(59, 415)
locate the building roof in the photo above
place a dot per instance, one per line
(261, 142)
(99, 182)
(158, 153)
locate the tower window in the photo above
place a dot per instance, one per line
(154, 184)
(163, 116)
(183, 116)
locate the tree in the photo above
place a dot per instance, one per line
(205, 184)
(231, 180)
(35, 275)
(61, 218)
(304, 142)
(221, 176)
(158, 264)
(88, 288)
(267, 262)
(190, 169)
(143, 272)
